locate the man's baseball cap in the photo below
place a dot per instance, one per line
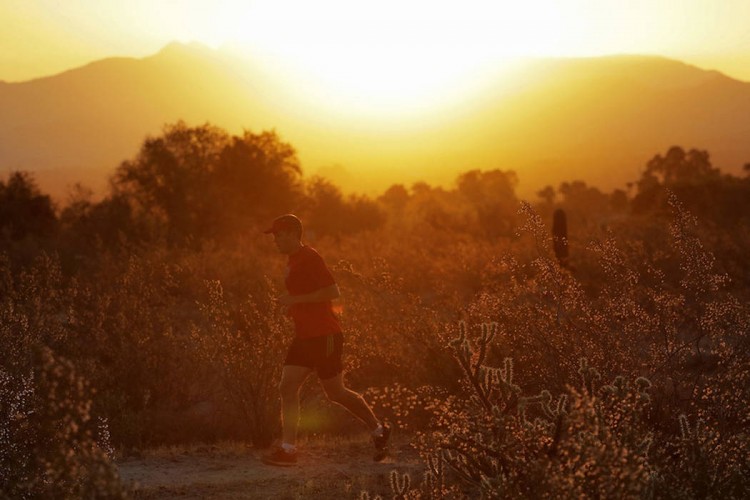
(286, 222)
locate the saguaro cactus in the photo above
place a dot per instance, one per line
(560, 236)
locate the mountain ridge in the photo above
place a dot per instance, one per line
(594, 119)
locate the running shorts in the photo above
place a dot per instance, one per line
(322, 354)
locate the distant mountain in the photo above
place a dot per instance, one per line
(78, 125)
(550, 120)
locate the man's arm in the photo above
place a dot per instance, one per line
(320, 295)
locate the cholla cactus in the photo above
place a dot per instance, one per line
(709, 462)
(509, 445)
(560, 237)
(400, 485)
(493, 387)
(589, 375)
(434, 478)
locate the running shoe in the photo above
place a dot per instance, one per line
(280, 457)
(381, 443)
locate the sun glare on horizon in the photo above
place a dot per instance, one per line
(389, 56)
(386, 52)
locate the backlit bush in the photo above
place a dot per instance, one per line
(50, 445)
(662, 327)
(244, 344)
(171, 317)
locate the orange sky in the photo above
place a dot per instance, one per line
(389, 66)
(346, 43)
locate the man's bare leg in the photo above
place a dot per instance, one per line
(338, 393)
(292, 378)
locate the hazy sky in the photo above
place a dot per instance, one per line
(42, 37)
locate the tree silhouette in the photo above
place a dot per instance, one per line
(677, 166)
(24, 210)
(200, 182)
(547, 194)
(584, 204)
(328, 212)
(696, 183)
(168, 177)
(89, 226)
(492, 195)
(257, 177)
(395, 197)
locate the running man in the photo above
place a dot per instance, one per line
(317, 344)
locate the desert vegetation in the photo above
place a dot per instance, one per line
(147, 317)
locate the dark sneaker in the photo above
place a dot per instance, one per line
(280, 457)
(381, 443)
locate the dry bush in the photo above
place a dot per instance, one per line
(663, 326)
(508, 445)
(32, 302)
(660, 299)
(140, 317)
(592, 441)
(245, 345)
(386, 324)
(50, 446)
(128, 324)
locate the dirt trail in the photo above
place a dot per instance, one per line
(340, 469)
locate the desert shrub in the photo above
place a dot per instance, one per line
(601, 448)
(169, 331)
(125, 328)
(666, 315)
(386, 322)
(32, 302)
(50, 445)
(410, 410)
(138, 322)
(495, 442)
(127, 324)
(245, 346)
(594, 440)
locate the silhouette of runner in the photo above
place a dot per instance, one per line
(317, 344)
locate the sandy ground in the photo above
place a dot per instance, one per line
(326, 469)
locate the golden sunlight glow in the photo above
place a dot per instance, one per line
(375, 52)
(388, 56)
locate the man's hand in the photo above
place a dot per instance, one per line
(287, 300)
(320, 295)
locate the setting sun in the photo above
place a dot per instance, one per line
(394, 57)
(387, 58)
(376, 58)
